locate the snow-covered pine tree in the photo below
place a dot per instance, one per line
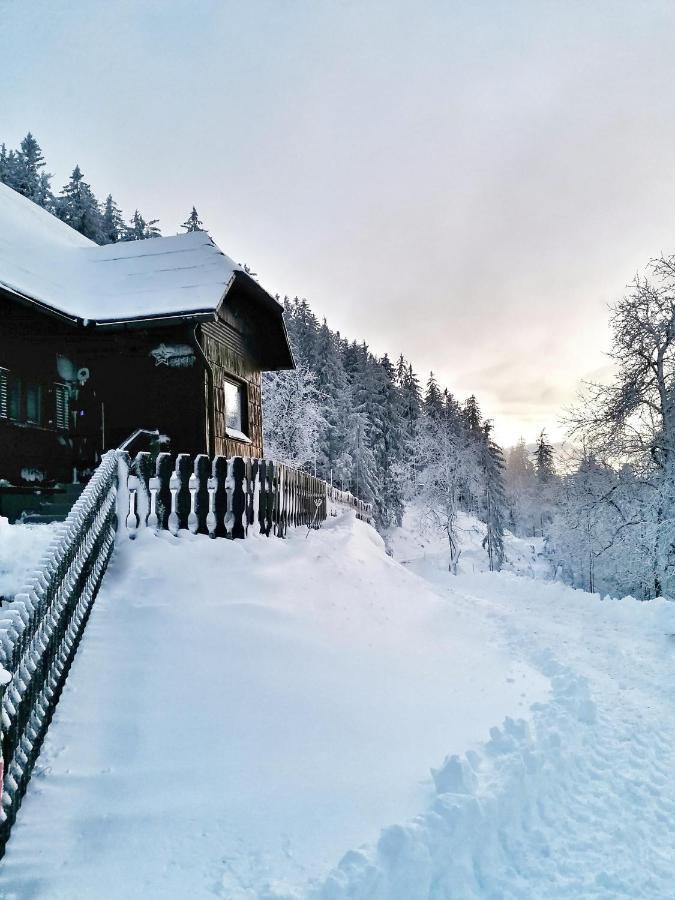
(492, 466)
(140, 230)
(113, 228)
(411, 406)
(334, 459)
(193, 222)
(433, 398)
(28, 178)
(473, 417)
(7, 166)
(544, 459)
(77, 206)
(389, 444)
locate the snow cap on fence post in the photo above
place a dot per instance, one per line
(193, 486)
(132, 522)
(154, 486)
(211, 521)
(174, 487)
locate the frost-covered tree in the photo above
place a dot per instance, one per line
(433, 398)
(193, 222)
(140, 230)
(292, 417)
(632, 419)
(8, 164)
(113, 228)
(601, 538)
(473, 416)
(77, 206)
(447, 465)
(411, 401)
(543, 459)
(522, 491)
(27, 177)
(491, 462)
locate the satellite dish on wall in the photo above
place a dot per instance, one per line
(66, 368)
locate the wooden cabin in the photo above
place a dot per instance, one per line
(167, 334)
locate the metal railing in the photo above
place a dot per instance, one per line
(41, 627)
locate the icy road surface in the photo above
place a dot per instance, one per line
(240, 715)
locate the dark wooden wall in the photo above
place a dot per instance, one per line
(230, 347)
(130, 391)
(29, 343)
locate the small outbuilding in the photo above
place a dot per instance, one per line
(165, 334)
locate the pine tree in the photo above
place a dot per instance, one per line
(8, 167)
(140, 230)
(433, 398)
(544, 459)
(28, 178)
(113, 228)
(472, 416)
(193, 222)
(411, 395)
(492, 465)
(77, 207)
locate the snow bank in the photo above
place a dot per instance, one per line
(576, 803)
(239, 714)
(21, 547)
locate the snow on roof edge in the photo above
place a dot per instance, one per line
(46, 262)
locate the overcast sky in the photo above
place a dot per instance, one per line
(467, 183)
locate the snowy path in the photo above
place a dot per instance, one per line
(240, 714)
(581, 804)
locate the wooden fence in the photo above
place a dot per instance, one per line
(224, 497)
(41, 627)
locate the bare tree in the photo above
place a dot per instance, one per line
(632, 419)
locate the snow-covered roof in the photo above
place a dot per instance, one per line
(43, 259)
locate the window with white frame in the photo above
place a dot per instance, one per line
(235, 409)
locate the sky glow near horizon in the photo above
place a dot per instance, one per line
(467, 183)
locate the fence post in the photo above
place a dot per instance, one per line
(202, 498)
(174, 487)
(142, 469)
(163, 472)
(219, 472)
(184, 469)
(238, 498)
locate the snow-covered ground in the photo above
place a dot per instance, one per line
(21, 547)
(241, 714)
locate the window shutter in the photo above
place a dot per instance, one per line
(62, 411)
(4, 400)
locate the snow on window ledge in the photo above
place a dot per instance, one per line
(238, 435)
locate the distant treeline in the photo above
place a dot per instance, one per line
(25, 170)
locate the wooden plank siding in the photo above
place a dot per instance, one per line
(231, 354)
